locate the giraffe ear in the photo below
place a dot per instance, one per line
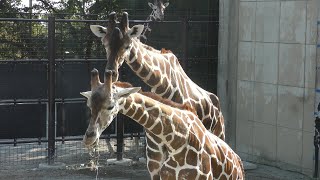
(99, 31)
(125, 92)
(86, 94)
(166, 4)
(150, 4)
(135, 31)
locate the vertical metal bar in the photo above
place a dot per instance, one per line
(120, 128)
(63, 121)
(317, 105)
(184, 62)
(51, 89)
(316, 147)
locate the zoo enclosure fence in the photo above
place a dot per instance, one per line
(45, 66)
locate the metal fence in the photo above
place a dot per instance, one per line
(44, 64)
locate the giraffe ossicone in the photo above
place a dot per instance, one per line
(190, 150)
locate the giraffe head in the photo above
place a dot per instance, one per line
(103, 101)
(117, 41)
(158, 8)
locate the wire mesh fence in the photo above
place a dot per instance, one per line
(24, 68)
(70, 151)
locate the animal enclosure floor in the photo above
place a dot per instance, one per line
(22, 161)
(136, 171)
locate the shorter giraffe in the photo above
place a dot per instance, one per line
(190, 150)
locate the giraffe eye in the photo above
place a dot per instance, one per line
(127, 47)
(110, 108)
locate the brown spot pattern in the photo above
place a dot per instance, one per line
(168, 93)
(154, 155)
(157, 129)
(202, 177)
(154, 78)
(228, 166)
(193, 140)
(205, 159)
(181, 157)
(223, 177)
(162, 87)
(155, 62)
(128, 103)
(135, 65)
(151, 144)
(167, 173)
(216, 169)
(131, 111)
(168, 138)
(153, 166)
(144, 72)
(154, 112)
(178, 142)
(172, 163)
(138, 114)
(177, 97)
(192, 157)
(188, 174)
(143, 119)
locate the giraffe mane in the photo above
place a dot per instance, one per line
(164, 51)
(156, 97)
(122, 84)
(148, 47)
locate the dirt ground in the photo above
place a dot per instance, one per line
(20, 163)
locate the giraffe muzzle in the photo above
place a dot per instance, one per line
(90, 134)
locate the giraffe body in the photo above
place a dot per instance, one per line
(190, 151)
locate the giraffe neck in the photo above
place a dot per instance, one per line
(159, 119)
(162, 73)
(146, 25)
(151, 16)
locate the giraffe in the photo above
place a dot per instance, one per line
(157, 13)
(190, 151)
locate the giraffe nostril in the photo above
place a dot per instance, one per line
(90, 134)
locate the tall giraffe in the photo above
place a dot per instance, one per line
(157, 13)
(162, 72)
(190, 151)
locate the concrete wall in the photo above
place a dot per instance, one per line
(267, 78)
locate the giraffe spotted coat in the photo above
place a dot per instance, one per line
(190, 150)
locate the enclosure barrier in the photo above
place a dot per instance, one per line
(59, 67)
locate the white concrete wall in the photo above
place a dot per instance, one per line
(275, 81)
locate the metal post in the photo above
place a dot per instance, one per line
(51, 90)
(120, 128)
(316, 141)
(185, 25)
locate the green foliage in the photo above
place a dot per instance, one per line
(28, 39)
